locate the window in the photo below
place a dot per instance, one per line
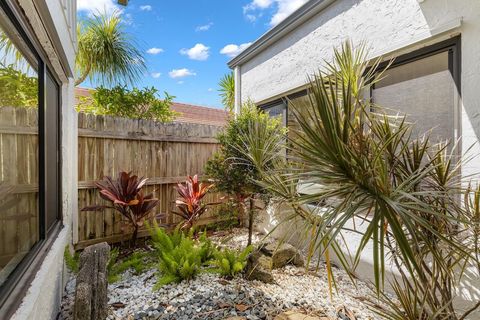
(29, 158)
(423, 86)
(277, 109)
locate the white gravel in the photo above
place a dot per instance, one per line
(133, 297)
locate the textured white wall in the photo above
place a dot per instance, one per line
(391, 28)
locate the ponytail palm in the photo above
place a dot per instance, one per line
(227, 91)
(106, 52)
(369, 168)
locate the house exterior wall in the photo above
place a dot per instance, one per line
(390, 28)
(54, 25)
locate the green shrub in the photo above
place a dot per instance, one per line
(180, 256)
(72, 261)
(229, 263)
(138, 261)
(135, 103)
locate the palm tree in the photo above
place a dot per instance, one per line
(106, 52)
(227, 91)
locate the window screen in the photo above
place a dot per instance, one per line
(424, 90)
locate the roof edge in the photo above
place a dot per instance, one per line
(297, 18)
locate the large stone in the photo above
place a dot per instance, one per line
(296, 315)
(91, 301)
(259, 267)
(283, 254)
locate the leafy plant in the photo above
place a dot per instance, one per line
(72, 261)
(190, 200)
(123, 102)
(126, 197)
(370, 167)
(106, 52)
(233, 173)
(229, 263)
(17, 89)
(138, 261)
(227, 91)
(180, 256)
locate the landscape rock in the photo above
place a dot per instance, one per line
(283, 254)
(259, 267)
(91, 300)
(296, 315)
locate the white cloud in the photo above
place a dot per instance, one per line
(156, 75)
(146, 8)
(198, 52)
(180, 82)
(205, 27)
(257, 4)
(232, 50)
(155, 50)
(95, 6)
(210, 89)
(251, 17)
(283, 8)
(181, 73)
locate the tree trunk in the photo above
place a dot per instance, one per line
(83, 76)
(251, 214)
(133, 240)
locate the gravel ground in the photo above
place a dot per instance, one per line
(211, 297)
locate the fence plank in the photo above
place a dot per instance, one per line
(164, 153)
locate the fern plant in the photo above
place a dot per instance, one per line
(72, 261)
(228, 263)
(180, 256)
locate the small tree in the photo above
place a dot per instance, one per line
(233, 174)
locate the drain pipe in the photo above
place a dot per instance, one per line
(238, 89)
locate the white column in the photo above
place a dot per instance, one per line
(238, 89)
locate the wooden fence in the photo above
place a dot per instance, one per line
(18, 185)
(164, 153)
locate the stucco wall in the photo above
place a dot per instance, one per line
(390, 28)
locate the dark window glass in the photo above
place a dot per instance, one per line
(52, 151)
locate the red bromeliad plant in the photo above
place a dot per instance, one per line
(126, 196)
(189, 202)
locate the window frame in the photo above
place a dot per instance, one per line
(453, 47)
(16, 286)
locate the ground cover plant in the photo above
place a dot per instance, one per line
(370, 168)
(228, 262)
(182, 256)
(125, 195)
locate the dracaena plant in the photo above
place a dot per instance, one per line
(126, 196)
(190, 200)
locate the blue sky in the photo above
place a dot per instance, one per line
(187, 43)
